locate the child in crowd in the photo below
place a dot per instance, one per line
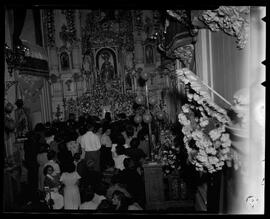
(52, 161)
(119, 157)
(70, 179)
(42, 159)
(52, 186)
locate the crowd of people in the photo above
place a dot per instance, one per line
(87, 164)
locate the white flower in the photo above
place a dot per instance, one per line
(225, 137)
(214, 134)
(185, 108)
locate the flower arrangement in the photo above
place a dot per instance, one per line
(168, 153)
(206, 140)
(104, 95)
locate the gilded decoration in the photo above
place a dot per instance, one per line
(230, 19)
(49, 17)
(106, 28)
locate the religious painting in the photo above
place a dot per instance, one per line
(64, 61)
(106, 65)
(149, 54)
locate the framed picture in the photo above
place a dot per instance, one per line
(149, 56)
(64, 61)
(106, 65)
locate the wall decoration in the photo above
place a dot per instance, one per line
(149, 54)
(106, 65)
(64, 61)
(49, 15)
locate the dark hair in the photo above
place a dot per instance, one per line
(105, 205)
(43, 147)
(89, 193)
(39, 127)
(82, 130)
(49, 133)
(45, 170)
(120, 140)
(51, 154)
(129, 130)
(77, 156)
(141, 134)
(127, 161)
(105, 128)
(134, 143)
(90, 126)
(124, 202)
(120, 149)
(70, 168)
(19, 103)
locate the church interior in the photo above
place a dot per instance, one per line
(156, 110)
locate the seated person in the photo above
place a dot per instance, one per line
(92, 200)
(123, 203)
(52, 186)
(133, 181)
(119, 157)
(52, 161)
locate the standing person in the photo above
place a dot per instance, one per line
(90, 144)
(42, 159)
(49, 138)
(119, 157)
(70, 179)
(106, 146)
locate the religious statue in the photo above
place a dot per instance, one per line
(107, 69)
(22, 119)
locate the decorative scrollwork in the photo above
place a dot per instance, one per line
(185, 54)
(232, 20)
(49, 15)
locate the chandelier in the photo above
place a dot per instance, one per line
(16, 57)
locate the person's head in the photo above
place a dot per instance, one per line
(77, 156)
(82, 130)
(51, 155)
(39, 127)
(129, 163)
(19, 103)
(49, 136)
(70, 168)
(134, 143)
(107, 130)
(129, 130)
(90, 126)
(108, 116)
(119, 200)
(48, 170)
(44, 147)
(120, 149)
(120, 140)
(105, 205)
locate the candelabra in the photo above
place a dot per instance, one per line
(15, 58)
(147, 116)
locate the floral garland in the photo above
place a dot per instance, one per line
(206, 140)
(168, 153)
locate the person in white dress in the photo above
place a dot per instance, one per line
(70, 179)
(42, 160)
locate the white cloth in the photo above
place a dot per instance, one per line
(88, 206)
(119, 161)
(72, 199)
(135, 206)
(90, 142)
(106, 140)
(56, 168)
(58, 199)
(98, 198)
